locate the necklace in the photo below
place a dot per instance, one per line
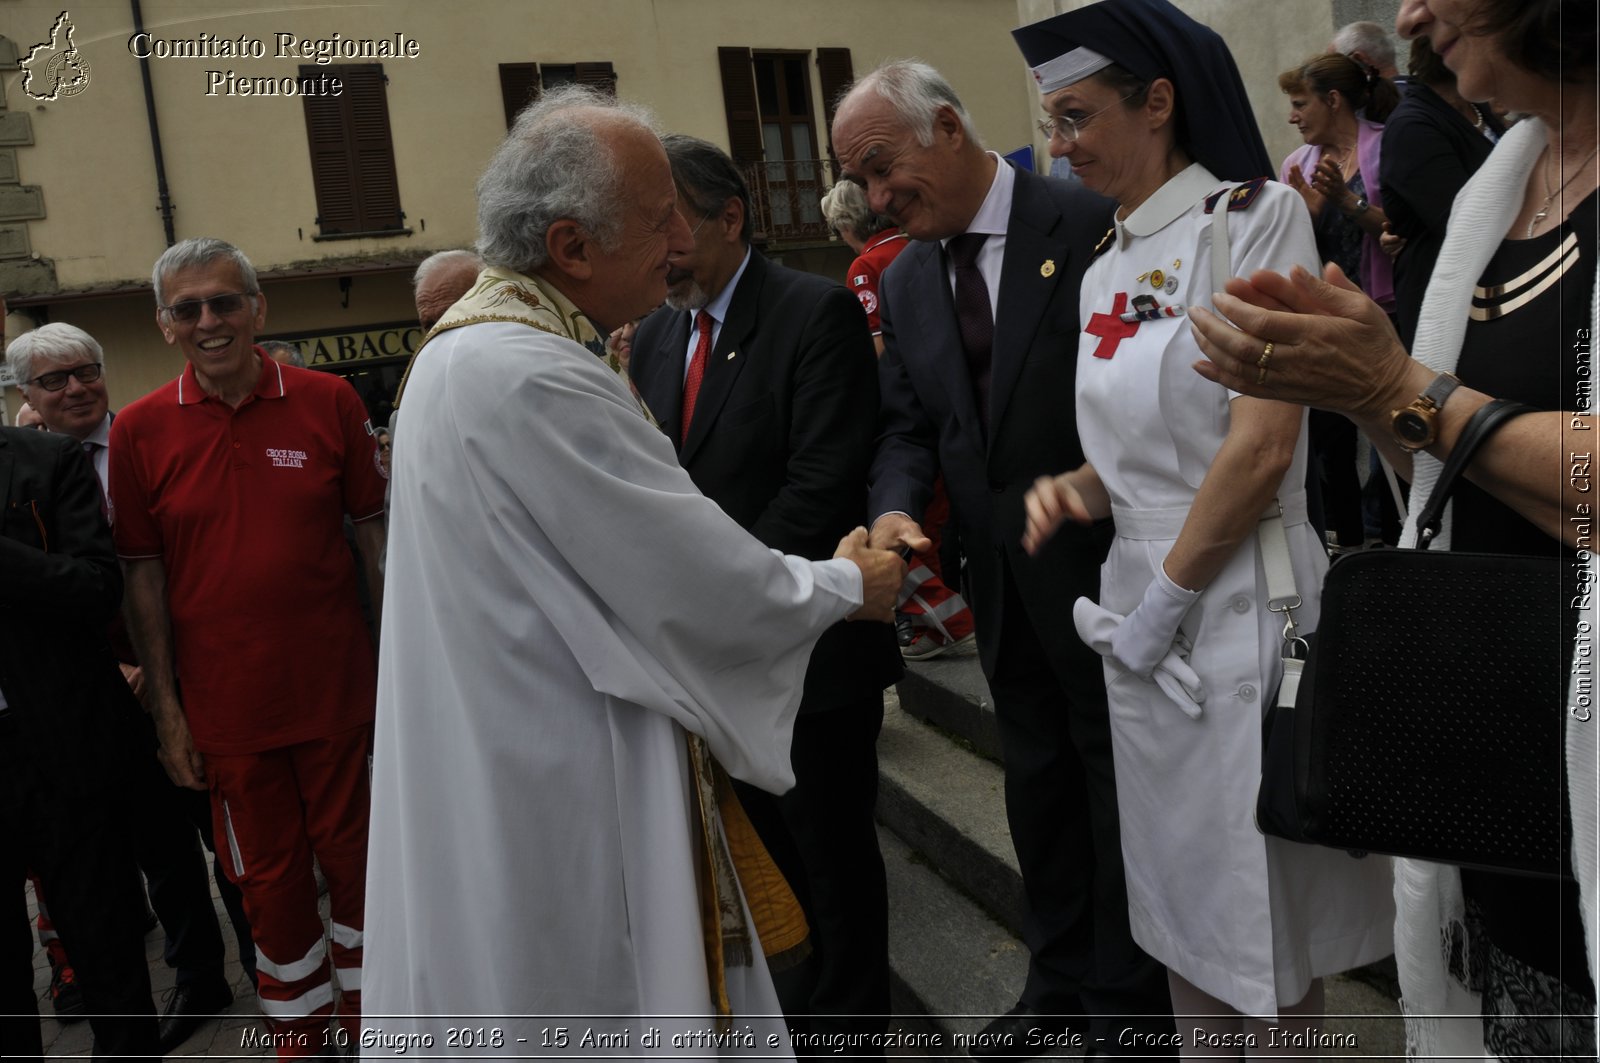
(1544, 208)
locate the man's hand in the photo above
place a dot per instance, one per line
(135, 677)
(177, 754)
(1049, 502)
(896, 531)
(882, 572)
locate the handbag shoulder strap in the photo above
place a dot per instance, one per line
(1483, 424)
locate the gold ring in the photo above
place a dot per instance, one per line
(1261, 377)
(1266, 353)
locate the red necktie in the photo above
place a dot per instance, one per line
(697, 370)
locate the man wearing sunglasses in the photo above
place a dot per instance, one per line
(231, 486)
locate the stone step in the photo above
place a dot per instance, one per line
(952, 967)
(951, 693)
(955, 894)
(948, 804)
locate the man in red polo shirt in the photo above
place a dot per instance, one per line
(231, 485)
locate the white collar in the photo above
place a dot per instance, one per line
(102, 432)
(995, 211)
(718, 307)
(1169, 203)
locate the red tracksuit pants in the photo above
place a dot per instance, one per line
(273, 810)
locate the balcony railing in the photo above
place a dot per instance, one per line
(786, 199)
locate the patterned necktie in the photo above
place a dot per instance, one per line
(974, 316)
(697, 371)
(89, 450)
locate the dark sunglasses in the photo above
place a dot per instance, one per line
(56, 381)
(188, 311)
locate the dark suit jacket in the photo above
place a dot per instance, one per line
(60, 586)
(1429, 151)
(782, 435)
(930, 418)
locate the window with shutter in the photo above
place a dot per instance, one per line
(835, 74)
(352, 154)
(522, 83)
(519, 86)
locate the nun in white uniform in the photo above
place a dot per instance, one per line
(1147, 106)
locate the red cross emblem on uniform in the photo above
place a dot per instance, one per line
(1111, 329)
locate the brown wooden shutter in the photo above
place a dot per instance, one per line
(597, 75)
(519, 86)
(352, 152)
(835, 74)
(739, 100)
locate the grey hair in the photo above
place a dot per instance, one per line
(1368, 38)
(845, 207)
(916, 91)
(442, 259)
(55, 342)
(295, 358)
(201, 251)
(706, 177)
(554, 165)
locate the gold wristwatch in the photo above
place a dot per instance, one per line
(1416, 426)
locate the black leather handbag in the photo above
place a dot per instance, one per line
(1429, 719)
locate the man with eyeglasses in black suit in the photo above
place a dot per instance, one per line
(62, 372)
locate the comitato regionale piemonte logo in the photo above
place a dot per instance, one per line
(55, 68)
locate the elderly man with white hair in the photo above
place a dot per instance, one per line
(578, 644)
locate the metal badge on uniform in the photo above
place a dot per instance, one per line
(1157, 278)
(732, 355)
(1171, 287)
(1048, 269)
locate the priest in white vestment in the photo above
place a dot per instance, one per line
(563, 612)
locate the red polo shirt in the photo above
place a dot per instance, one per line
(245, 507)
(867, 270)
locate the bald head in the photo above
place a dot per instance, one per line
(441, 279)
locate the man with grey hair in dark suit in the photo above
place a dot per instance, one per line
(980, 328)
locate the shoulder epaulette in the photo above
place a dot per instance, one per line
(1105, 241)
(1240, 197)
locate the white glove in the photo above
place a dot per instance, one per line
(1145, 638)
(1098, 627)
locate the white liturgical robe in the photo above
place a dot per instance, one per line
(562, 605)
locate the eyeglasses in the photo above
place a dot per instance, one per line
(56, 381)
(1069, 129)
(188, 311)
(696, 230)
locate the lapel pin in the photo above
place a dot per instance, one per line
(1048, 269)
(732, 355)
(1171, 286)
(1157, 278)
(1177, 263)
(1142, 277)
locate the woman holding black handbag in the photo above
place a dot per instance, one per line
(1510, 313)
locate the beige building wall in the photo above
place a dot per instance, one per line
(239, 166)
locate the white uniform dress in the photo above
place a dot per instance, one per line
(1248, 919)
(563, 606)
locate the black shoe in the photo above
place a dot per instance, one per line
(66, 996)
(189, 1007)
(1023, 1033)
(904, 631)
